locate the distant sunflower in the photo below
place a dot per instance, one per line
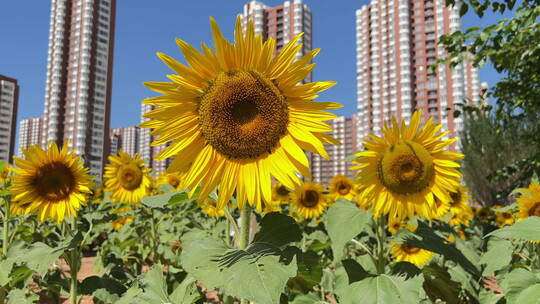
(123, 218)
(463, 217)
(484, 214)
(127, 178)
(237, 116)
(341, 186)
(280, 194)
(460, 199)
(529, 201)
(504, 218)
(210, 208)
(407, 253)
(309, 200)
(395, 224)
(52, 183)
(442, 208)
(4, 174)
(406, 169)
(172, 179)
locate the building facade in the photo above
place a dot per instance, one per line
(30, 133)
(125, 139)
(282, 23)
(79, 78)
(322, 170)
(397, 42)
(9, 102)
(147, 151)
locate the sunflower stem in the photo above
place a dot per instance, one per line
(228, 233)
(74, 263)
(243, 240)
(381, 235)
(232, 222)
(154, 237)
(5, 230)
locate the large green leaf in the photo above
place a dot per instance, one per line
(439, 285)
(530, 294)
(256, 275)
(424, 237)
(307, 299)
(186, 292)
(517, 282)
(383, 289)
(38, 256)
(309, 272)
(344, 220)
(5, 270)
(91, 284)
(499, 254)
(278, 229)
(526, 229)
(161, 200)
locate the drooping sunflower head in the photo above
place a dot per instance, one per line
(280, 194)
(53, 183)
(309, 200)
(210, 208)
(172, 179)
(341, 186)
(407, 168)
(238, 116)
(126, 178)
(413, 255)
(529, 201)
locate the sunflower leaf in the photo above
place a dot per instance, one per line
(356, 220)
(526, 230)
(278, 229)
(257, 273)
(37, 256)
(162, 200)
(499, 254)
(439, 285)
(383, 289)
(519, 284)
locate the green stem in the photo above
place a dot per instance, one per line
(232, 222)
(538, 255)
(228, 233)
(381, 235)
(154, 238)
(243, 240)
(5, 230)
(74, 263)
(245, 216)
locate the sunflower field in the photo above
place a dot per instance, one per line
(237, 219)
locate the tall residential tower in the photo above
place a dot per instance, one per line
(79, 78)
(9, 101)
(397, 42)
(30, 133)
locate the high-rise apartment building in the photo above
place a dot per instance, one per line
(282, 23)
(9, 101)
(79, 78)
(147, 151)
(344, 130)
(125, 139)
(30, 133)
(397, 42)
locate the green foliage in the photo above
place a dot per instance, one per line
(521, 285)
(526, 229)
(344, 220)
(438, 284)
(499, 255)
(383, 289)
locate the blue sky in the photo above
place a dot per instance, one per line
(144, 28)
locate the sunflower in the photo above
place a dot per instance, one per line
(442, 208)
(462, 218)
(407, 253)
(172, 179)
(53, 183)
(309, 200)
(395, 224)
(237, 116)
(484, 214)
(4, 174)
(126, 178)
(406, 169)
(280, 194)
(529, 201)
(460, 199)
(341, 186)
(124, 219)
(210, 208)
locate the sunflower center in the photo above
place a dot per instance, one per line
(409, 249)
(54, 181)
(406, 167)
(243, 114)
(535, 209)
(130, 176)
(310, 198)
(344, 188)
(456, 197)
(507, 215)
(282, 191)
(174, 181)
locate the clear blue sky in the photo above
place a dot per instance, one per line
(144, 28)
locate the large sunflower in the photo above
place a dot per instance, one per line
(341, 186)
(529, 201)
(53, 183)
(407, 253)
(406, 169)
(309, 200)
(127, 178)
(237, 116)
